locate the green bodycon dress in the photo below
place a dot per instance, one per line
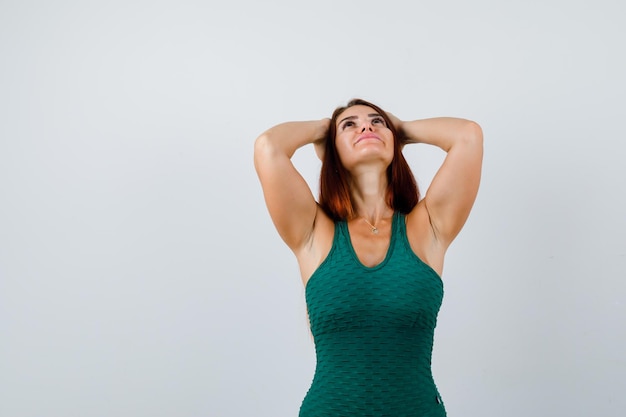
(373, 330)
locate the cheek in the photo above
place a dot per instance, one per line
(340, 142)
(342, 149)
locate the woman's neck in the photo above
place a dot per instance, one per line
(369, 195)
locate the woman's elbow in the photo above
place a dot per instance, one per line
(262, 145)
(473, 133)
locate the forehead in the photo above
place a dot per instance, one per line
(359, 110)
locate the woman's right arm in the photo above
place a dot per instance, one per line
(288, 197)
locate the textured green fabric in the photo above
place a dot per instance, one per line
(373, 330)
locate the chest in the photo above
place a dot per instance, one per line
(369, 248)
(401, 292)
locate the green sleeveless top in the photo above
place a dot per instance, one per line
(373, 330)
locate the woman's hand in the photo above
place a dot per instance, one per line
(320, 143)
(399, 126)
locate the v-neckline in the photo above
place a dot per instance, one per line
(382, 263)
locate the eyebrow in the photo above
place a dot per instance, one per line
(356, 117)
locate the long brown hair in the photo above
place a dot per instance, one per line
(335, 197)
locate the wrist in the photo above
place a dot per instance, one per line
(322, 129)
(409, 134)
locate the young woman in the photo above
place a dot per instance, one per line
(370, 251)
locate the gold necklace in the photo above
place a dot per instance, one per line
(374, 228)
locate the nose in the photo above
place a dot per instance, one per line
(367, 125)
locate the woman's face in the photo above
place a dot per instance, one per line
(363, 137)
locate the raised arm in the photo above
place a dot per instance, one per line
(288, 197)
(453, 190)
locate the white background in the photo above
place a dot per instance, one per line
(140, 274)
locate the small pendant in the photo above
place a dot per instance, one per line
(374, 228)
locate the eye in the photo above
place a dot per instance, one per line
(347, 123)
(378, 121)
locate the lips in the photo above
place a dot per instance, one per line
(367, 136)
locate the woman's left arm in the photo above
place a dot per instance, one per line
(453, 190)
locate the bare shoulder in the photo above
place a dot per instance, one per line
(317, 246)
(422, 237)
